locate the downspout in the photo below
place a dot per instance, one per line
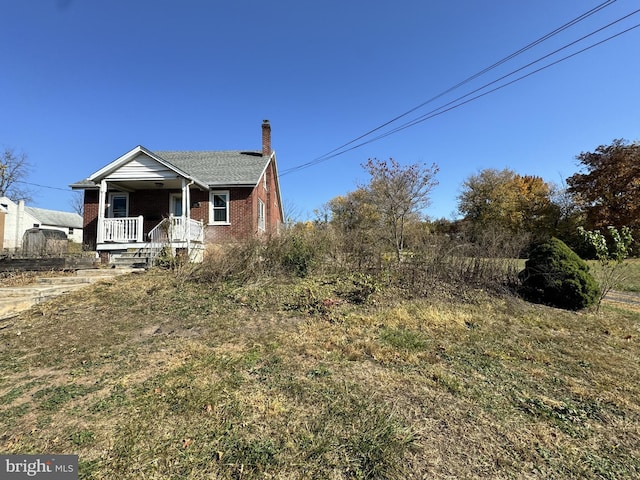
(19, 223)
(187, 210)
(102, 204)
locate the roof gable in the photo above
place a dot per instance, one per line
(140, 164)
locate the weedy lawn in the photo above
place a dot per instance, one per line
(147, 377)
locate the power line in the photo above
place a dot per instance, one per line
(486, 70)
(442, 109)
(43, 186)
(339, 150)
(438, 112)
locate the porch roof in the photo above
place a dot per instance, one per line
(210, 168)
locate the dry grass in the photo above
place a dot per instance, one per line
(626, 277)
(21, 279)
(149, 377)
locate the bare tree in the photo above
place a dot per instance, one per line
(77, 203)
(400, 193)
(14, 168)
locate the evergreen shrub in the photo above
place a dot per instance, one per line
(555, 275)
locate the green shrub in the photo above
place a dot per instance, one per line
(297, 254)
(556, 276)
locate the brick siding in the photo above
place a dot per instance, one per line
(153, 205)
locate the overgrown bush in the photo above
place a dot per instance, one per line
(294, 253)
(555, 275)
(440, 261)
(239, 262)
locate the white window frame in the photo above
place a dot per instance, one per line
(261, 216)
(111, 197)
(212, 209)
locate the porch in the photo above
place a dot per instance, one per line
(124, 237)
(130, 230)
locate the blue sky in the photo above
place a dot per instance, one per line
(84, 81)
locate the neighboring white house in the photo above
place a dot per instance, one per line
(19, 218)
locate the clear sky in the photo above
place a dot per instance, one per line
(84, 81)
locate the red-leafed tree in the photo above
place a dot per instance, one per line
(608, 188)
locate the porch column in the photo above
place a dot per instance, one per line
(140, 229)
(102, 201)
(186, 209)
(185, 200)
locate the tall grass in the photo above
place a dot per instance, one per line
(435, 262)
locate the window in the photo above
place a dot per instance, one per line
(219, 207)
(264, 182)
(118, 205)
(70, 230)
(261, 216)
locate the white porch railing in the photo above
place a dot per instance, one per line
(175, 230)
(185, 229)
(122, 230)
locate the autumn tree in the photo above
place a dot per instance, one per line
(506, 201)
(14, 168)
(399, 193)
(608, 188)
(355, 220)
(382, 209)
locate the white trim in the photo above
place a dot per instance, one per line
(127, 157)
(262, 223)
(276, 181)
(212, 193)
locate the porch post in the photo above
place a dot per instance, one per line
(185, 199)
(140, 229)
(102, 201)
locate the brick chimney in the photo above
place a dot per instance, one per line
(266, 138)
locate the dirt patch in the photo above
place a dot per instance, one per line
(169, 330)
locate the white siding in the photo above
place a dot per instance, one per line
(142, 167)
(17, 221)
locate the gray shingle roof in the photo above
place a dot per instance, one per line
(85, 183)
(55, 217)
(233, 167)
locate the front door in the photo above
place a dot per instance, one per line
(175, 204)
(177, 225)
(118, 205)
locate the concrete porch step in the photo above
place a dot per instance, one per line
(140, 258)
(137, 262)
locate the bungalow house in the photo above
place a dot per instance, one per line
(146, 200)
(17, 218)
